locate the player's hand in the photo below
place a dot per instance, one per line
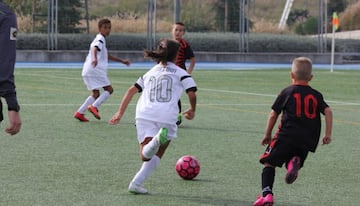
(189, 114)
(326, 140)
(14, 123)
(266, 140)
(126, 62)
(115, 119)
(94, 63)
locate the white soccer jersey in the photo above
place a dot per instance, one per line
(102, 57)
(162, 87)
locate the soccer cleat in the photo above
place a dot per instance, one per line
(80, 117)
(293, 168)
(161, 136)
(136, 189)
(268, 200)
(94, 111)
(179, 119)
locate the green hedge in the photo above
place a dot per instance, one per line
(212, 42)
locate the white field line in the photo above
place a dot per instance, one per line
(238, 92)
(333, 102)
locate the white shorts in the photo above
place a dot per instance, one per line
(147, 128)
(97, 82)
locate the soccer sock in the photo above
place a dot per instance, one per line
(102, 98)
(179, 106)
(151, 148)
(267, 176)
(85, 105)
(146, 169)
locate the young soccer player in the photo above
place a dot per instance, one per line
(185, 52)
(94, 72)
(299, 129)
(156, 109)
(8, 31)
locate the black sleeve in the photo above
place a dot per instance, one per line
(188, 52)
(138, 87)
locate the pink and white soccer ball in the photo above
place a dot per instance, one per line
(187, 167)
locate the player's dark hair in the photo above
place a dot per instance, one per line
(180, 23)
(166, 51)
(102, 22)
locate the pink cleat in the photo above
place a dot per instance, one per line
(268, 200)
(293, 168)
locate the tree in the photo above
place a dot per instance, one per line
(307, 27)
(192, 13)
(297, 15)
(69, 16)
(21, 7)
(336, 6)
(228, 10)
(69, 13)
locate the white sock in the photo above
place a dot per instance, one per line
(85, 105)
(146, 169)
(151, 148)
(102, 98)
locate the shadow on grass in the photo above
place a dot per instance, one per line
(207, 200)
(194, 199)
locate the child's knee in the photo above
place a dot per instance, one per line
(110, 90)
(95, 94)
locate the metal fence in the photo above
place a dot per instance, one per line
(156, 16)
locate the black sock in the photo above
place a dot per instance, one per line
(267, 177)
(179, 106)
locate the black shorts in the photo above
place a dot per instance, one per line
(279, 152)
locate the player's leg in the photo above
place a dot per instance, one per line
(94, 110)
(179, 119)
(108, 90)
(267, 182)
(274, 155)
(151, 145)
(294, 165)
(151, 150)
(147, 168)
(79, 114)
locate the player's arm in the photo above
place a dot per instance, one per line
(123, 105)
(117, 59)
(271, 121)
(189, 54)
(191, 65)
(190, 112)
(328, 125)
(94, 51)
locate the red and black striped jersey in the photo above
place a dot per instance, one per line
(185, 52)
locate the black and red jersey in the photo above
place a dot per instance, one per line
(300, 124)
(185, 52)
